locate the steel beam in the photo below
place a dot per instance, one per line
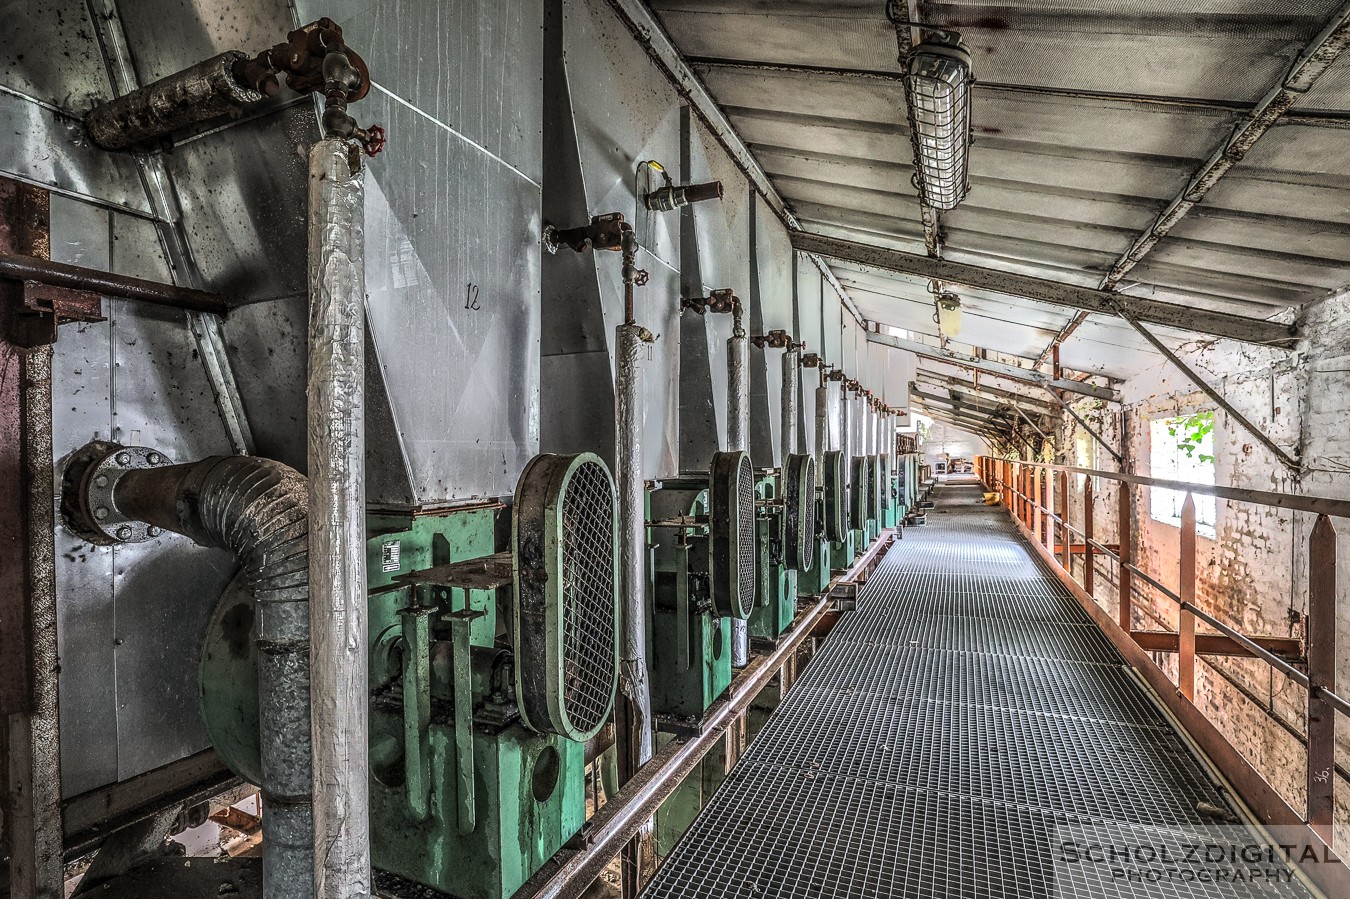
(1011, 372)
(1088, 299)
(1210, 392)
(1087, 427)
(983, 391)
(1315, 59)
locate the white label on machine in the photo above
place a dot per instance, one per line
(389, 551)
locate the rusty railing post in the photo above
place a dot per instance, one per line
(1089, 571)
(1062, 501)
(1125, 540)
(1186, 646)
(1322, 676)
(1038, 504)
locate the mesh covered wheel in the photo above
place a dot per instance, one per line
(565, 616)
(859, 506)
(835, 480)
(799, 512)
(731, 508)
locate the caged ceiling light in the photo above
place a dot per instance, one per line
(937, 76)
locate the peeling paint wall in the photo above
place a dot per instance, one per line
(1253, 573)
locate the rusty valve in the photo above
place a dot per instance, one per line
(777, 339)
(605, 232)
(723, 300)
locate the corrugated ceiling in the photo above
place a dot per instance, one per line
(1090, 116)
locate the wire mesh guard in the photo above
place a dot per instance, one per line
(859, 507)
(950, 734)
(799, 518)
(937, 83)
(835, 479)
(731, 500)
(566, 615)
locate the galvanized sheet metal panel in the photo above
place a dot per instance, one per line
(454, 306)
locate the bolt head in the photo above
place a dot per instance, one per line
(153, 531)
(124, 458)
(101, 481)
(101, 513)
(124, 533)
(153, 458)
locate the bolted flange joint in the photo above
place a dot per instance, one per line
(89, 491)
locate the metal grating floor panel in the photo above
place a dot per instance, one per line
(962, 719)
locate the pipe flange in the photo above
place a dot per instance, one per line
(89, 484)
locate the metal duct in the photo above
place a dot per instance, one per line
(340, 682)
(845, 444)
(257, 509)
(738, 440)
(632, 537)
(788, 431)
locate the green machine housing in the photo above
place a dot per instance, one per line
(785, 525)
(702, 530)
(494, 657)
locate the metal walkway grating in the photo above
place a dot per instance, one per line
(963, 719)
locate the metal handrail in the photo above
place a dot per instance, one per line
(1340, 703)
(1319, 505)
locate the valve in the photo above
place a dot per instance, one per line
(723, 300)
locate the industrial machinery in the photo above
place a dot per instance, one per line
(493, 645)
(834, 538)
(702, 576)
(862, 499)
(787, 545)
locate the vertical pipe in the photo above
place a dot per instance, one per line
(1125, 547)
(1322, 676)
(1186, 651)
(632, 542)
(738, 440)
(822, 425)
(1089, 559)
(339, 680)
(788, 431)
(1036, 502)
(845, 444)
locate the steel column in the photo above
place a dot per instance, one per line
(1322, 676)
(1186, 651)
(32, 802)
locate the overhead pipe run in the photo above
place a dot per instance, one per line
(233, 82)
(257, 509)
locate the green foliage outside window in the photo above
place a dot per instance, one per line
(1190, 431)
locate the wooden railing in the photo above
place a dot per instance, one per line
(1037, 496)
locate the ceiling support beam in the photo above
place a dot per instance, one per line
(999, 369)
(947, 418)
(1088, 299)
(1087, 427)
(982, 390)
(1213, 394)
(1315, 59)
(1035, 427)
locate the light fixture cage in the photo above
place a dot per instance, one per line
(937, 82)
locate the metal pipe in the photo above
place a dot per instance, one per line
(738, 439)
(791, 380)
(258, 509)
(339, 679)
(201, 93)
(845, 442)
(77, 277)
(632, 540)
(822, 425)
